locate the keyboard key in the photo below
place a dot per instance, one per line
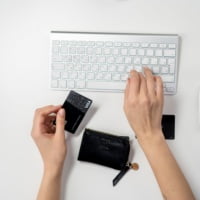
(156, 70)
(129, 68)
(121, 68)
(55, 75)
(162, 45)
(144, 45)
(72, 50)
(116, 77)
(90, 50)
(98, 51)
(81, 75)
(57, 58)
(90, 76)
(84, 59)
(137, 60)
(80, 84)
(62, 84)
(100, 44)
(109, 44)
(71, 84)
(80, 50)
(154, 61)
(77, 67)
(171, 68)
(93, 59)
(56, 42)
(103, 68)
(76, 59)
(172, 46)
(86, 67)
(100, 85)
(163, 61)
(64, 75)
(111, 68)
(124, 52)
(154, 45)
(101, 59)
(107, 51)
(170, 89)
(158, 52)
(119, 60)
(164, 70)
(69, 66)
(149, 52)
(67, 58)
(64, 50)
(99, 76)
(167, 78)
(111, 59)
(145, 61)
(141, 52)
(132, 52)
(135, 44)
(107, 76)
(115, 51)
(128, 60)
(58, 66)
(95, 67)
(169, 53)
(126, 44)
(171, 61)
(138, 68)
(73, 75)
(56, 49)
(124, 77)
(118, 44)
(54, 83)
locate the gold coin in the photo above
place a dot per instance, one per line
(134, 166)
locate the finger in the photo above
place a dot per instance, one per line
(60, 123)
(143, 85)
(134, 87)
(50, 119)
(49, 109)
(41, 113)
(159, 88)
(150, 82)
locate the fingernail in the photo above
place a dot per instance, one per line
(61, 112)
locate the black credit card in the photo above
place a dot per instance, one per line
(168, 126)
(76, 106)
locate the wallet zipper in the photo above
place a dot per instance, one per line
(121, 174)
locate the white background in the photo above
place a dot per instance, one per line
(24, 86)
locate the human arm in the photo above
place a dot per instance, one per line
(51, 143)
(143, 105)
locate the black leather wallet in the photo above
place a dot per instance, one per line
(104, 149)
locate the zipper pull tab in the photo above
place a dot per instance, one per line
(121, 174)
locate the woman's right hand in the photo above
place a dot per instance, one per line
(143, 104)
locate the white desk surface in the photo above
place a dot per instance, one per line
(24, 86)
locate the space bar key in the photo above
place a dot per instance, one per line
(101, 85)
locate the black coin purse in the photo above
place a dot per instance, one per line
(105, 149)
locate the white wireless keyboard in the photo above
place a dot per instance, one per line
(102, 61)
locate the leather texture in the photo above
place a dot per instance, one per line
(104, 149)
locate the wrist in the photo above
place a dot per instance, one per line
(150, 139)
(53, 171)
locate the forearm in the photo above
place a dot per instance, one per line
(50, 186)
(171, 180)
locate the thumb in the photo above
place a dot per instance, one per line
(60, 122)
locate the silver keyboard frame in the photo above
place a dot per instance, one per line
(110, 36)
